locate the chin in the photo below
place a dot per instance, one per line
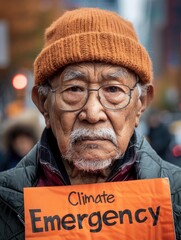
(90, 162)
(92, 165)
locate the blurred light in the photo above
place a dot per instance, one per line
(176, 151)
(19, 81)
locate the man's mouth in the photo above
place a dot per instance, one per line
(90, 139)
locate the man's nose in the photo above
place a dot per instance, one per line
(93, 111)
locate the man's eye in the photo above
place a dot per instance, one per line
(75, 89)
(113, 89)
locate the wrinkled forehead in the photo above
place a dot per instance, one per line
(103, 71)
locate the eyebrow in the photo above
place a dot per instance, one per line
(121, 73)
(72, 74)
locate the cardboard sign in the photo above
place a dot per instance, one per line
(120, 210)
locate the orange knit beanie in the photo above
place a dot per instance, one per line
(91, 34)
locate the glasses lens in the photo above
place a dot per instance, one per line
(114, 96)
(71, 97)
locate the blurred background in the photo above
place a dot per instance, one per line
(22, 25)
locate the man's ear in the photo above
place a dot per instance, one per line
(144, 102)
(147, 98)
(40, 100)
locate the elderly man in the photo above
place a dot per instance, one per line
(93, 81)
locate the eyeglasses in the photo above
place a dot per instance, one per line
(72, 98)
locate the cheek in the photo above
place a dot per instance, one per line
(124, 127)
(62, 125)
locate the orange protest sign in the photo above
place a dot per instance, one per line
(120, 210)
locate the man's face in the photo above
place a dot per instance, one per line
(93, 137)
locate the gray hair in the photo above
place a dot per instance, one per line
(142, 89)
(44, 89)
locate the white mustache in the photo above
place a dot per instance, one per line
(84, 133)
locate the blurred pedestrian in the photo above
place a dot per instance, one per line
(19, 140)
(158, 134)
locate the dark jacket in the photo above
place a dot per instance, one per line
(147, 165)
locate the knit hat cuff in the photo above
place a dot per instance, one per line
(93, 46)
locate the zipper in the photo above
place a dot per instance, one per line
(21, 219)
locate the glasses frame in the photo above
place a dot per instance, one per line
(97, 90)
